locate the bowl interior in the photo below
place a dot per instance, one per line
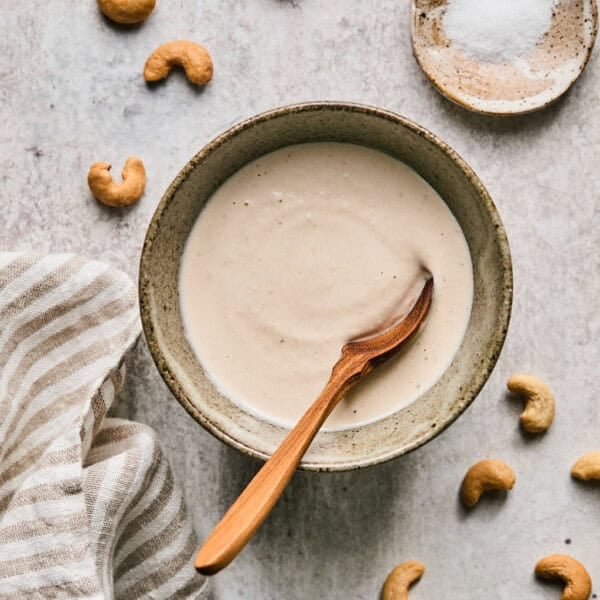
(438, 165)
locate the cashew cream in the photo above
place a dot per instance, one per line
(307, 248)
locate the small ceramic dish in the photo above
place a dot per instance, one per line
(434, 161)
(521, 85)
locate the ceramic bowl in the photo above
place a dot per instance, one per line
(438, 164)
(520, 85)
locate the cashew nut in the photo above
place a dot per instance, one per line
(127, 11)
(571, 571)
(400, 579)
(486, 475)
(108, 192)
(193, 57)
(539, 409)
(587, 467)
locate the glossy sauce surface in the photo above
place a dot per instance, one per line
(307, 248)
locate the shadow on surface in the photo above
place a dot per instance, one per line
(176, 73)
(550, 585)
(591, 487)
(121, 27)
(535, 123)
(486, 508)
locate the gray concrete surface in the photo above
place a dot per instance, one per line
(71, 93)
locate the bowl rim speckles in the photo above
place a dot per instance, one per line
(451, 88)
(381, 129)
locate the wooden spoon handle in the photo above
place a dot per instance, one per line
(256, 501)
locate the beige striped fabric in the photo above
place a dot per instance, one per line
(88, 505)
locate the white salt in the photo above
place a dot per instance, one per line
(497, 30)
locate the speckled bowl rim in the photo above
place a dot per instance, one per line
(502, 322)
(449, 95)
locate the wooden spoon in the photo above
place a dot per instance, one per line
(256, 501)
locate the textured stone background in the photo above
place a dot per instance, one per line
(71, 93)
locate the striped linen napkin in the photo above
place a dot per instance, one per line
(88, 505)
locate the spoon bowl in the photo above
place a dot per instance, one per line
(521, 84)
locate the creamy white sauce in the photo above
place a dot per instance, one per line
(305, 249)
